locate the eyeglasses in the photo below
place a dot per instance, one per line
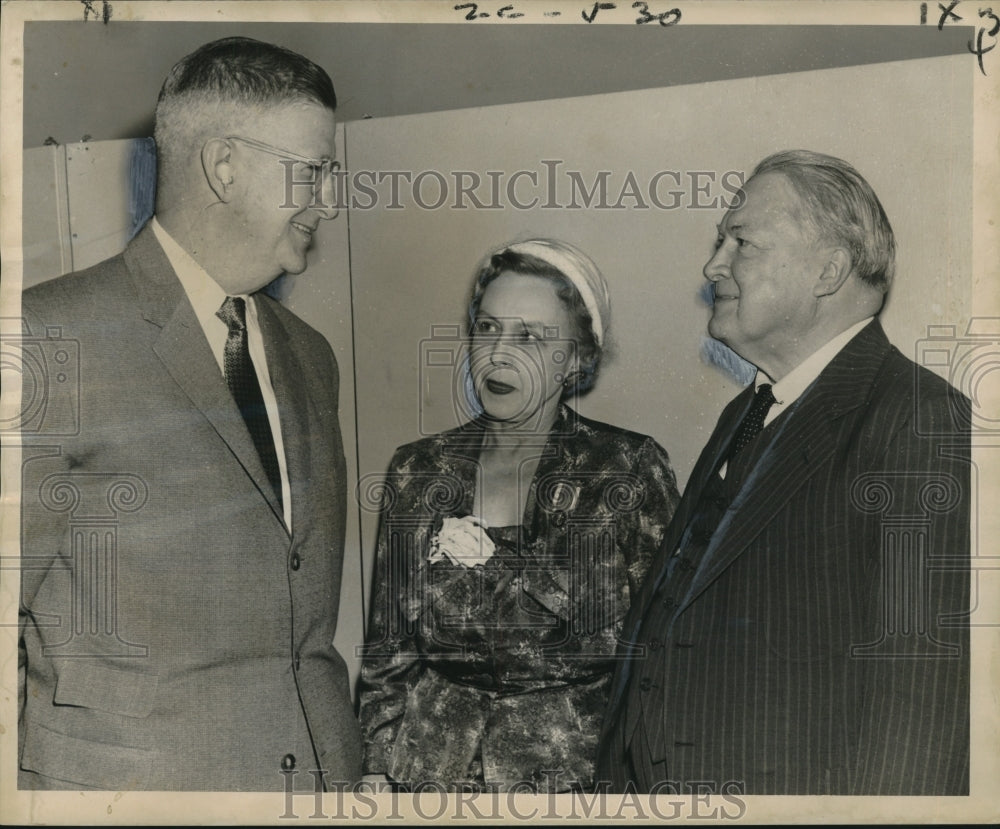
(321, 170)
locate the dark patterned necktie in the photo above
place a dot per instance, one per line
(242, 379)
(753, 420)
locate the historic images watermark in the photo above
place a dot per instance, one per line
(669, 800)
(550, 186)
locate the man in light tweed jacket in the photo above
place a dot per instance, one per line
(182, 548)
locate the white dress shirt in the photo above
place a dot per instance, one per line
(206, 297)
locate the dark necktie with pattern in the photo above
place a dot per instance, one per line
(242, 379)
(753, 420)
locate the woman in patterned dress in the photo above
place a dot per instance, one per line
(508, 549)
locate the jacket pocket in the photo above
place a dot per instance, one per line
(86, 685)
(84, 762)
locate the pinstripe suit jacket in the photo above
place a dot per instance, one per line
(173, 634)
(813, 648)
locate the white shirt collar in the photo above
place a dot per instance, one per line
(204, 293)
(790, 387)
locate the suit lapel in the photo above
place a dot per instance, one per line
(780, 472)
(446, 487)
(459, 457)
(806, 439)
(711, 457)
(552, 466)
(707, 463)
(184, 351)
(293, 403)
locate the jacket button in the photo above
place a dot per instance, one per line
(288, 762)
(559, 519)
(654, 644)
(296, 561)
(645, 684)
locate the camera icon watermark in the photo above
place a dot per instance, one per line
(47, 366)
(971, 363)
(462, 378)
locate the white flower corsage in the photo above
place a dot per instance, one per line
(462, 541)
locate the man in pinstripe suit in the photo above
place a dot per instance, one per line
(802, 630)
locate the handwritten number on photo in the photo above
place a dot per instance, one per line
(474, 12)
(646, 17)
(981, 50)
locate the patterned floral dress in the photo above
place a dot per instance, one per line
(496, 675)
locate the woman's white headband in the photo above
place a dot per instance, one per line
(584, 282)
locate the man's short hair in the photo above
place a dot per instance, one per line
(842, 207)
(228, 79)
